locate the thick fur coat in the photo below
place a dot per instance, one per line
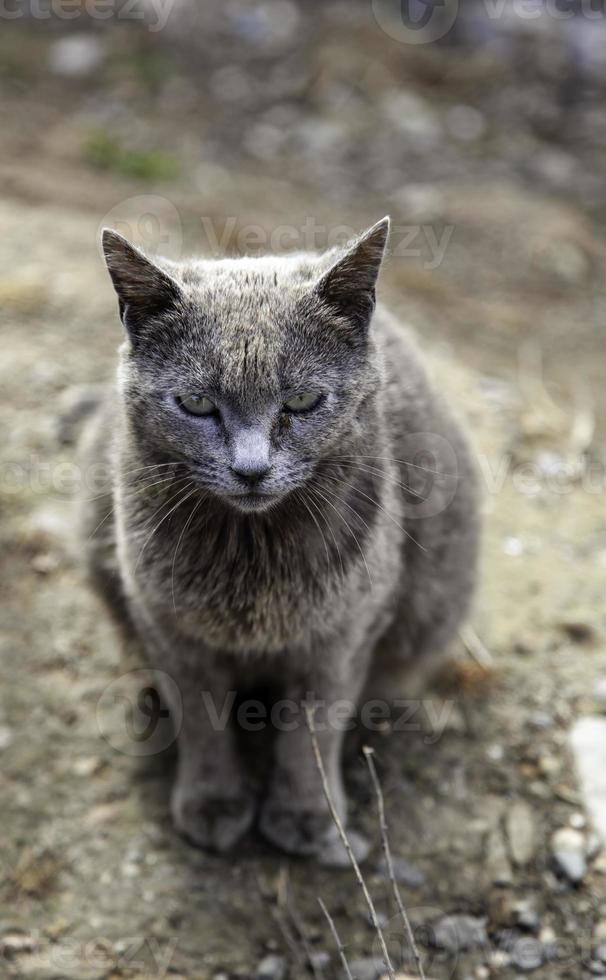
(323, 547)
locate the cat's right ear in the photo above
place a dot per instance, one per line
(143, 289)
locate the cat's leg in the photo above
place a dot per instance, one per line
(212, 803)
(295, 814)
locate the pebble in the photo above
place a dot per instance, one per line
(76, 56)
(6, 737)
(568, 850)
(600, 953)
(497, 861)
(271, 967)
(597, 968)
(404, 872)
(526, 916)
(588, 742)
(369, 968)
(519, 825)
(456, 932)
(319, 960)
(578, 631)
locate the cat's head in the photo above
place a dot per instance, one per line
(252, 370)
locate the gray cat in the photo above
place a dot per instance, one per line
(293, 503)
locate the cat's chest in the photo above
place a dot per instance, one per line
(242, 593)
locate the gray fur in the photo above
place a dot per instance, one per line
(334, 584)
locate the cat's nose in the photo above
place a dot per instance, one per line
(252, 473)
(250, 456)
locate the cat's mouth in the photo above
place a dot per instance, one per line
(252, 500)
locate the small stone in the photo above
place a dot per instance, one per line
(599, 690)
(600, 953)
(526, 916)
(588, 741)
(404, 872)
(319, 959)
(497, 862)
(540, 721)
(87, 766)
(568, 849)
(579, 632)
(597, 968)
(599, 933)
(76, 56)
(370, 968)
(457, 932)
(6, 737)
(519, 825)
(17, 942)
(271, 967)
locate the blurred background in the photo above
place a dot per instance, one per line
(239, 127)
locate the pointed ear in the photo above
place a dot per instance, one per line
(143, 289)
(349, 284)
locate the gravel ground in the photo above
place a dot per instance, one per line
(322, 119)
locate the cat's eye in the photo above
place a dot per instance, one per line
(197, 405)
(303, 403)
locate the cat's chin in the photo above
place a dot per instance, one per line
(252, 503)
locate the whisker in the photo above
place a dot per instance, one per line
(347, 525)
(380, 506)
(172, 572)
(333, 535)
(404, 462)
(148, 486)
(315, 520)
(366, 468)
(188, 491)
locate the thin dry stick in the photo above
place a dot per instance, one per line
(337, 938)
(286, 899)
(368, 752)
(276, 914)
(309, 715)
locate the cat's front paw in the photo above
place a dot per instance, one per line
(310, 832)
(214, 821)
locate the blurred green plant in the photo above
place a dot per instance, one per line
(106, 152)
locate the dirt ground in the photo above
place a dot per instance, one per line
(94, 883)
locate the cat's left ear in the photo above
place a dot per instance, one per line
(349, 284)
(143, 289)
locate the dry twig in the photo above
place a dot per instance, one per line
(368, 752)
(309, 715)
(337, 939)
